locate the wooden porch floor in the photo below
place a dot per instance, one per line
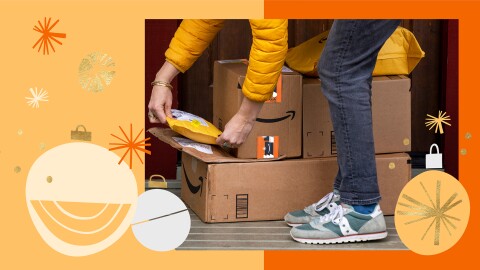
(268, 235)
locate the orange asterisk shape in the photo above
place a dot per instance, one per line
(131, 145)
(45, 41)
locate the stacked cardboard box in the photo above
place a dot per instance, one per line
(222, 188)
(390, 115)
(267, 176)
(391, 118)
(278, 129)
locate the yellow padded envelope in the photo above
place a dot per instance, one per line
(398, 56)
(193, 127)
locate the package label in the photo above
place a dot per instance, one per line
(181, 115)
(184, 142)
(241, 206)
(267, 146)
(333, 143)
(277, 92)
(286, 69)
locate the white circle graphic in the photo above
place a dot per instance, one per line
(162, 221)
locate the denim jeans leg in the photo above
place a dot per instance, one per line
(345, 69)
(338, 180)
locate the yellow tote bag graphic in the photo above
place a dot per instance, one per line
(193, 127)
(399, 55)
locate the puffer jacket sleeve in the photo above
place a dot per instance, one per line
(190, 40)
(267, 55)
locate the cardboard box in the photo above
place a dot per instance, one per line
(221, 188)
(278, 130)
(391, 113)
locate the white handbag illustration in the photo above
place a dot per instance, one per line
(433, 161)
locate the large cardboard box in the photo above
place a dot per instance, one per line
(391, 113)
(278, 129)
(220, 188)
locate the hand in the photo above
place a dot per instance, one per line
(236, 131)
(160, 104)
(238, 128)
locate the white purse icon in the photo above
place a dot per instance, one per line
(433, 161)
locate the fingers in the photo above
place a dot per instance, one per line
(156, 116)
(152, 118)
(160, 105)
(235, 133)
(220, 140)
(226, 142)
(168, 109)
(160, 114)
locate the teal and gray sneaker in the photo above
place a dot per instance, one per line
(317, 209)
(342, 225)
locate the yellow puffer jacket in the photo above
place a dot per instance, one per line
(267, 54)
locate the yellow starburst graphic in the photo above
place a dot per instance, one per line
(131, 145)
(437, 122)
(437, 212)
(96, 71)
(432, 212)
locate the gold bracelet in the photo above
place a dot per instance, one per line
(162, 83)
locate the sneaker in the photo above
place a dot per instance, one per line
(320, 208)
(342, 225)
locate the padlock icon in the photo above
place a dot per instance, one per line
(81, 135)
(433, 161)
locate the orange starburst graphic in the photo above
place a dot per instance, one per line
(131, 144)
(432, 121)
(45, 41)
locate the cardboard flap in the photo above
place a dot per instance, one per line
(219, 155)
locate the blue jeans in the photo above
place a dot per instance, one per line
(345, 69)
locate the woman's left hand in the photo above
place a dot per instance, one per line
(238, 128)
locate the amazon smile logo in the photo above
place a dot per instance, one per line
(193, 189)
(274, 120)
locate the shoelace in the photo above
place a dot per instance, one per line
(320, 205)
(336, 214)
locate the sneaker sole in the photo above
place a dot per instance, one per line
(343, 239)
(294, 224)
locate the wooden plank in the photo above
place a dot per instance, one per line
(158, 34)
(426, 83)
(197, 223)
(407, 24)
(390, 243)
(232, 42)
(235, 40)
(268, 235)
(247, 224)
(304, 30)
(450, 94)
(195, 97)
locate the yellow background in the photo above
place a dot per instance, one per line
(117, 29)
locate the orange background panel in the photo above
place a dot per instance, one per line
(467, 13)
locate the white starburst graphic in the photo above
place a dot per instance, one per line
(37, 96)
